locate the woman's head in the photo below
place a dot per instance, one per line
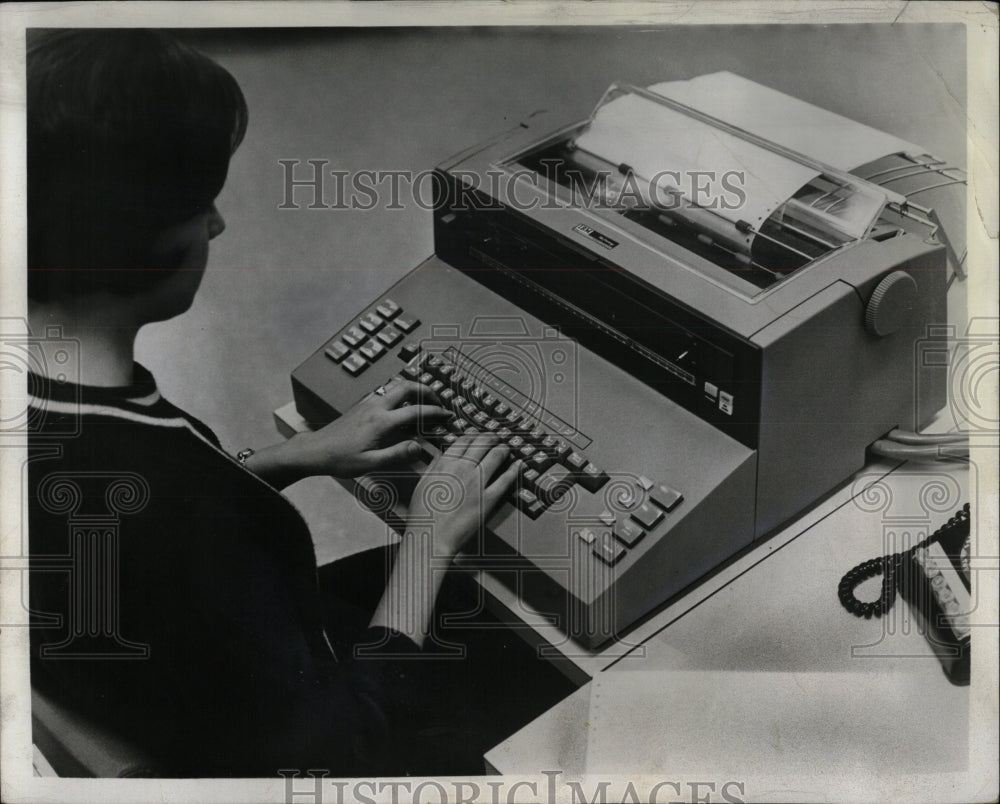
(129, 138)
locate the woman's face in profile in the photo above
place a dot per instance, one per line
(184, 248)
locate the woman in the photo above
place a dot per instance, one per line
(219, 660)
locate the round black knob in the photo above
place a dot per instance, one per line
(892, 304)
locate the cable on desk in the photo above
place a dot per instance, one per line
(928, 454)
(924, 439)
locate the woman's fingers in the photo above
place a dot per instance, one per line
(480, 446)
(397, 453)
(496, 490)
(399, 391)
(493, 460)
(412, 415)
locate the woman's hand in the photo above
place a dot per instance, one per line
(450, 503)
(458, 491)
(374, 434)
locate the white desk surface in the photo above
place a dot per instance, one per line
(772, 610)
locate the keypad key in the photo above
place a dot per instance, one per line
(575, 462)
(529, 479)
(592, 478)
(408, 351)
(371, 322)
(529, 504)
(407, 325)
(541, 460)
(354, 336)
(388, 309)
(561, 449)
(665, 497)
(647, 515)
(628, 533)
(372, 350)
(354, 364)
(390, 336)
(554, 484)
(336, 351)
(608, 550)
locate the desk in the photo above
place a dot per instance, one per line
(772, 609)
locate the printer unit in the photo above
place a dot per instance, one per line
(689, 314)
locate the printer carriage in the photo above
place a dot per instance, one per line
(737, 357)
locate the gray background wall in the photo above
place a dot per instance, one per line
(281, 281)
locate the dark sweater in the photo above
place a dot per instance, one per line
(219, 664)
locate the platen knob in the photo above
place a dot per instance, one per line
(891, 304)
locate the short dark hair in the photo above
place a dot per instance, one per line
(129, 131)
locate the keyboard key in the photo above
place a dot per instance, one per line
(529, 504)
(459, 425)
(548, 443)
(529, 479)
(535, 435)
(426, 378)
(491, 426)
(628, 533)
(437, 386)
(407, 325)
(408, 351)
(354, 336)
(647, 515)
(541, 460)
(516, 442)
(354, 365)
(575, 462)
(608, 550)
(554, 484)
(501, 410)
(390, 336)
(371, 322)
(388, 309)
(504, 433)
(372, 350)
(411, 372)
(469, 410)
(433, 363)
(592, 478)
(665, 497)
(479, 418)
(446, 395)
(525, 452)
(447, 371)
(336, 351)
(561, 449)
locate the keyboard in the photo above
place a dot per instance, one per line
(624, 498)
